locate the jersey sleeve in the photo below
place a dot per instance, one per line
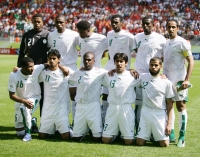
(74, 77)
(186, 48)
(38, 69)
(132, 43)
(21, 50)
(169, 90)
(105, 81)
(41, 77)
(11, 83)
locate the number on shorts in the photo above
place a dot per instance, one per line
(138, 130)
(15, 117)
(54, 43)
(105, 127)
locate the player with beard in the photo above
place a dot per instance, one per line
(156, 112)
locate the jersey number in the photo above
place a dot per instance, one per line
(112, 83)
(31, 41)
(54, 43)
(20, 84)
(47, 78)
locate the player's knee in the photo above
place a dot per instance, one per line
(140, 142)
(180, 105)
(106, 140)
(77, 139)
(65, 136)
(164, 143)
(20, 133)
(42, 135)
(128, 141)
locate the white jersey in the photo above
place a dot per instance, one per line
(65, 43)
(121, 88)
(97, 44)
(148, 46)
(56, 93)
(175, 52)
(25, 86)
(88, 85)
(121, 42)
(155, 91)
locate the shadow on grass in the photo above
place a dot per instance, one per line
(6, 128)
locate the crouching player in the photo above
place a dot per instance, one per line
(24, 89)
(156, 113)
(88, 108)
(120, 115)
(56, 105)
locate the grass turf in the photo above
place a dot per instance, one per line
(11, 145)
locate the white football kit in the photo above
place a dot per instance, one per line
(121, 42)
(120, 115)
(175, 52)
(56, 105)
(96, 43)
(25, 87)
(65, 43)
(88, 108)
(155, 91)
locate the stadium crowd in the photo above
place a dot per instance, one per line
(15, 16)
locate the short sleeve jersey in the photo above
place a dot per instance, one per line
(155, 91)
(175, 52)
(65, 43)
(148, 46)
(88, 85)
(120, 42)
(121, 88)
(25, 86)
(97, 44)
(56, 93)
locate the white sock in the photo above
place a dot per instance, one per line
(20, 133)
(104, 110)
(26, 115)
(73, 109)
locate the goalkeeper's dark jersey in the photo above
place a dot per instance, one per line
(34, 45)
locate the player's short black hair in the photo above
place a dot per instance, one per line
(60, 15)
(156, 59)
(172, 20)
(83, 25)
(89, 53)
(147, 17)
(25, 60)
(117, 16)
(37, 15)
(53, 52)
(121, 55)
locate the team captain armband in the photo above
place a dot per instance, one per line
(187, 53)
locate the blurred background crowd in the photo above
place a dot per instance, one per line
(15, 15)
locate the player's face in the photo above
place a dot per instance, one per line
(147, 25)
(28, 70)
(120, 65)
(88, 61)
(37, 24)
(172, 29)
(84, 33)
(60, 24)
(154, 67)
(116, 24)
(53, 61)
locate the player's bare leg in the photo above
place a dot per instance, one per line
(140, 142)
(164, 143)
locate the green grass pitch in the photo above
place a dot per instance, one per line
(11, 145)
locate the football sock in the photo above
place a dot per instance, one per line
(26, 115)
(182, 124)
(172, 135)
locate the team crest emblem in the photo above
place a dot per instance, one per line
(44, 41)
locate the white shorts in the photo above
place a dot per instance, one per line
(87, 116)
(138, 100)
(49, 125)
(119, 118)
(152, 122)
(18, 115)
(181, 95)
